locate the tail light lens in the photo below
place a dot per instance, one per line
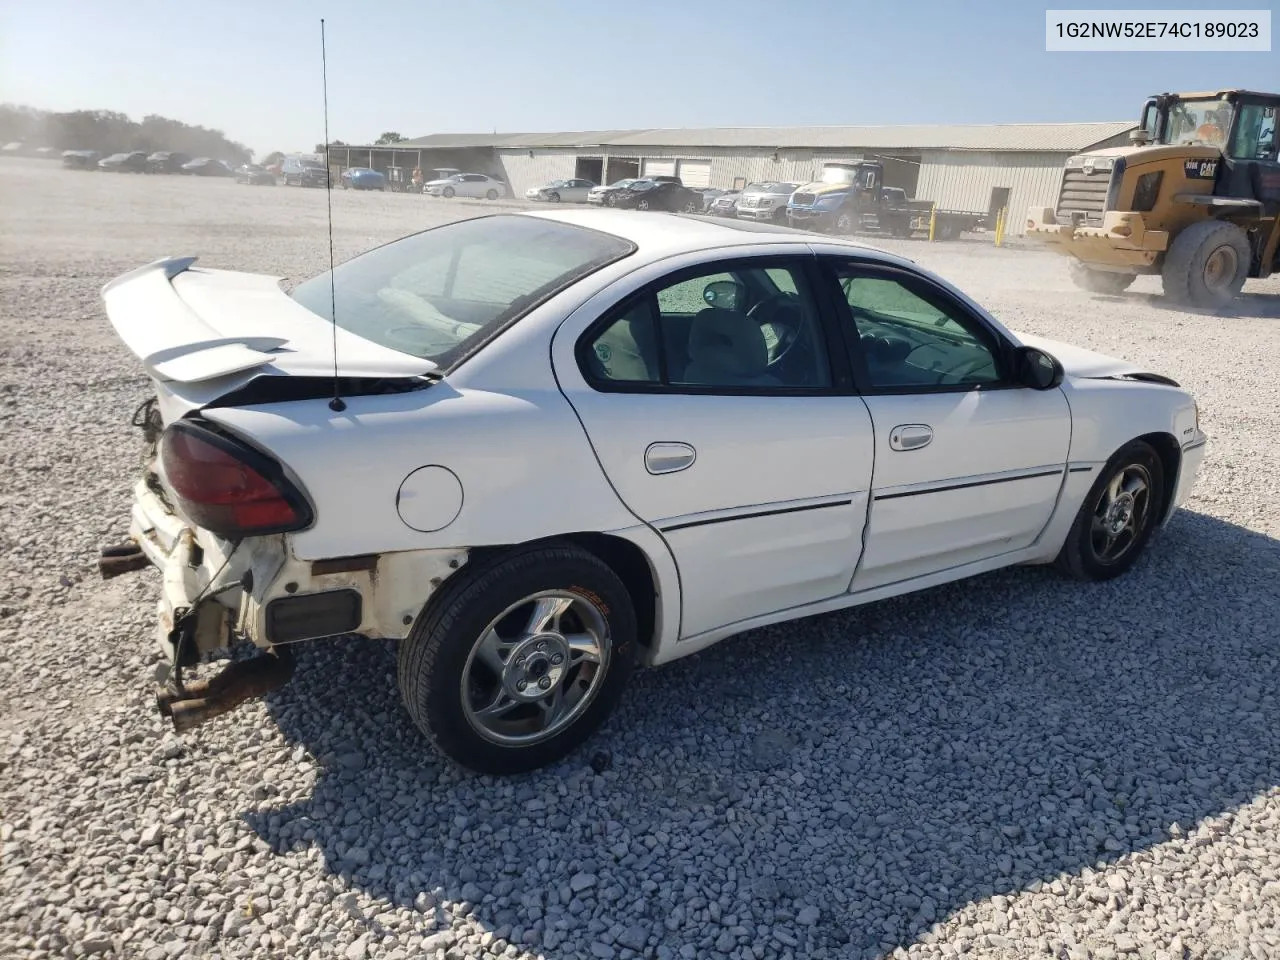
(226, 486)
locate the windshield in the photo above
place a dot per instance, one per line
(839, 174)
(434, 294)
(1198, 121)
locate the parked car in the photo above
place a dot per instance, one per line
(709, 195)
(659, 195)
(207, 167)
(81, 159)
(467, 185)
(766, 200)
(254, 175)
(725, 205)
(574, 191)
(167, 161)
(133, 162)
(304, 172)
(605, 195)
(363, 178)
(818, 425)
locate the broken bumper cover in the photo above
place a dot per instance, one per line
(1122, 239)
(257, 589)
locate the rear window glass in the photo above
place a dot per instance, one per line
(437, 293)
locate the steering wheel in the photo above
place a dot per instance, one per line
(789, 332)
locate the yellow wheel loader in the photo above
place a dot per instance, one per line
(1194, 198)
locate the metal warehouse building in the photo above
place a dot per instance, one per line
(979, 167)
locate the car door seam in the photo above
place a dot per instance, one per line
(595, 455)
(1066, 463)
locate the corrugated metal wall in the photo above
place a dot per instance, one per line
(522, 171)
(956, 179)
(964, 180)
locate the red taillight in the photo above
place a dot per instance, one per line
(226, 487)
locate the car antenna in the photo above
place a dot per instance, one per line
(337, 404)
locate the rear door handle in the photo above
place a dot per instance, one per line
(669, 457)
(910, 436)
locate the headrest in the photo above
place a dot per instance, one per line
(728, 341)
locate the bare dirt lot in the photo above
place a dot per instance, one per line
(1015, 766)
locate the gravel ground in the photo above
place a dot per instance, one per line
(1012, 767)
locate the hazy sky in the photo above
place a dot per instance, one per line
(252, 69)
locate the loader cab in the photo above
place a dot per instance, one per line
(1239, 123)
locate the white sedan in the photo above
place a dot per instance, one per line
(466, 185)
(569, 191)
(564, 443)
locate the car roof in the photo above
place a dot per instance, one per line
(669, 234)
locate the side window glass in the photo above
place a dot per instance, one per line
(743, 329)
(626, 350)
(782, 279)
(1255, 135)
(912, 338)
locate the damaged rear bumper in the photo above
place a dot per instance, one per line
(214, 592)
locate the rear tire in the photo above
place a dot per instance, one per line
(1100, 281)
(1120, 512)
(1207, 264)
(447, 684)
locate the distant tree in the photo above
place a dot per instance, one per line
(390, 137)
(332, 143)
(110, 132)
(274, 157)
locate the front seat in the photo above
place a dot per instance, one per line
(727, 348)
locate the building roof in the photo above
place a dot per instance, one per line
(1054, 137)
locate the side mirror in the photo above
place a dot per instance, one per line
(723, 294)
(1036, 369)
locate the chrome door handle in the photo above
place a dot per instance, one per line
(669, 457)
(910, 436)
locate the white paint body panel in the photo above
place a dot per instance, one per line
(537, 453)
(953, 501)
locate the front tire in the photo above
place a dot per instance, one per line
(1117, 517)
(1207, 264)
(449, 193)
(1101, 281)
(493, 195)
(553, 197)
(518, 660)
(844, 224)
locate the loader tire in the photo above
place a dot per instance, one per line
(1207, 265)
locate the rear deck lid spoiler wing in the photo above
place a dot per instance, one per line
(196, 327)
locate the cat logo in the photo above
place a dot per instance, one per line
(1200, 169)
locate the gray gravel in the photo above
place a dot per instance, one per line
(1012, 767)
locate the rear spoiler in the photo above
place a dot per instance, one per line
(176, 345)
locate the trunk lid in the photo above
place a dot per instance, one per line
(201, 334)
